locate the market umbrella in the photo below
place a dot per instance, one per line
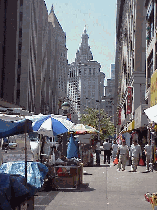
(52, 125)
(36, 171)
(10, 128)
(82, 129)
(152, 113)
(72, 150)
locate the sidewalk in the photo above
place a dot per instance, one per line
(104, 189)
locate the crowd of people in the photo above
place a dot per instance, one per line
(124, 154)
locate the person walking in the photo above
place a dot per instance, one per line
(122, 154)
(114, 150)
(97, 151)
(107, 151)
(148, 153)
(135, 153)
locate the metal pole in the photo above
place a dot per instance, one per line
(25, 153)
(99, 123)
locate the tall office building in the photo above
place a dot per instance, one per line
(112, 69)
(84, 79)
(109, 93)
(60, 60)
(130, 64)
(33, 55)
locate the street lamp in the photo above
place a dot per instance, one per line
(66, 109)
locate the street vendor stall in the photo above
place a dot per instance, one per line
(65, 172)
(85, 135)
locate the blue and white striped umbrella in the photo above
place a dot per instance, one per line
(52, 125)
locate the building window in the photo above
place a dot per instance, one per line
(150, 23)
(94, 71)
(18, 78)
(18, 93)
(150, 69)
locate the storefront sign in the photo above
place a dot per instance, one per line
(153, 91)
(129, 100)
(119, 116)
(131, 126)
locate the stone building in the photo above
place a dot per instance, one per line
(34, 57)
(109, 94)
(84, 78)
(130, 66)
(151, 52)
(60, 59)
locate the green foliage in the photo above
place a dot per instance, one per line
(93, 119)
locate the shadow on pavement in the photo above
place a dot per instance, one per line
(81, 188)
(43, 198)
(102, 165)
(85, 173)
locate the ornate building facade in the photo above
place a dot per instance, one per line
(83, 88)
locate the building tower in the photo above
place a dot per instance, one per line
(83, 87)
(60, 60)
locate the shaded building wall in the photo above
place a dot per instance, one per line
(8, 33)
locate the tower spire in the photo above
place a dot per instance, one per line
(85, 30)
(52, 10)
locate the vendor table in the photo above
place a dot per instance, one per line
(69, 177)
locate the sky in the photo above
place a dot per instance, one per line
(100, 20)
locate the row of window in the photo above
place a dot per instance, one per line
(84, 71)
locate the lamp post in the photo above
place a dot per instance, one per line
(66, 109)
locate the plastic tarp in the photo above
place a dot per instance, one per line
(10, 128)
(72, 150)
(13, 191)
(36, 171)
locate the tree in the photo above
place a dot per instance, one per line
(93, 119)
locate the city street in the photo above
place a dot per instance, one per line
(104, 188)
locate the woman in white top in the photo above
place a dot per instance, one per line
(114, 150)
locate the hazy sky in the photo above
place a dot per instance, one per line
(100, 20)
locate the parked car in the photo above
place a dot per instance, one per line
(12, 145)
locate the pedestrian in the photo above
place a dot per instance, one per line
(122, 154)
(97, 151)
(148, 153)
(135, 153)
(56, 152)
(114, 150)
(107, 151)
